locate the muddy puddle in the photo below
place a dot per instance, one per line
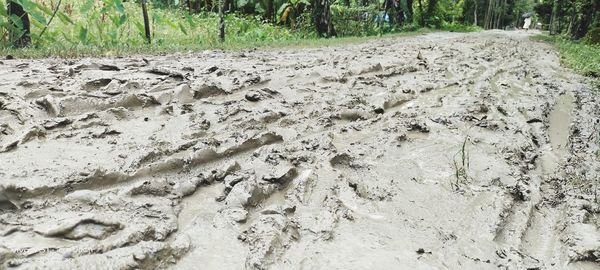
(560, 121)
(440, 151)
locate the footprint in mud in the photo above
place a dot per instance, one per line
(207, 90)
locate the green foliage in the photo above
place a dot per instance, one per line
(573, 17)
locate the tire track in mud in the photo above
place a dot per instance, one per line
(289, 158)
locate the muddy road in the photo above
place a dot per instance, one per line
(440, 151)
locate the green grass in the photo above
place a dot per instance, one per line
(582, 58)
(231, 44)
(457, 27)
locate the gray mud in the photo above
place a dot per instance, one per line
(442, 151)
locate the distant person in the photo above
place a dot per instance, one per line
(527, 23)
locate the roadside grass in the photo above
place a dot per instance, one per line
(583, 58)
(457, 27)
(120, 50)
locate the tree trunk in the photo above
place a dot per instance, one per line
(146, 22)
(488, 15)
(409, 10)
(421, 14)
(322, 18)
(20, 35)
(572, 20)
(271, 10)
(553, 19)
(500, 15)
(475, 13)
(431, 6)
(221, 20)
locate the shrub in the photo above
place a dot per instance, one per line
(458, 27)
(593, 36)
(355, 21)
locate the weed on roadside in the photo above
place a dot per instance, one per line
(461, 166)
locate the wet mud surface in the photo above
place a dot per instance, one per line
(442, 151)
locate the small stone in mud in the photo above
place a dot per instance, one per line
(10, 57)
(415, 125)
(402, 137)
(253, 80)
(379, 111)
(212, 69)
(253, 96)
(422, 251)
(146, 119)
(139, 256)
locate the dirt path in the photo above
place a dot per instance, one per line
(442, 151)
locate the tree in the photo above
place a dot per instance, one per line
(409, 10)
(270, 12)
(421, 14)
(573, 17)
(587, 14)
(221, 20)
(554, 20)
(322, 18)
